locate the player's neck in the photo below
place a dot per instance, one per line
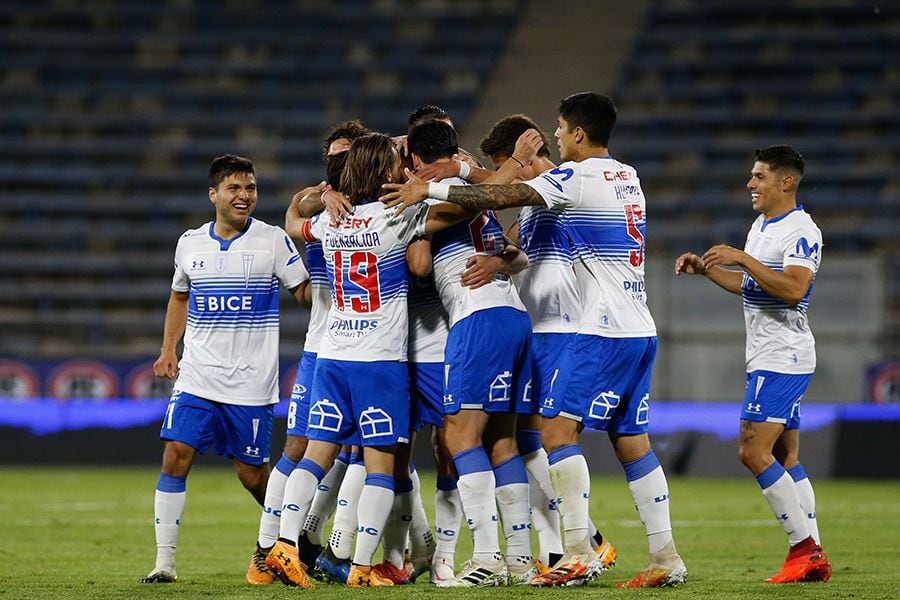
(586, 152)
(782, 208)
(227, 229)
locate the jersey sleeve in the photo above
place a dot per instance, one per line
(180, 280)
(803, 247)
(289, 267)
(560, 187)
(411, 222)
(308, 227)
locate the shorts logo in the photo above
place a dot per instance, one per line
(298, 391)
(374, 422)
(252, 451)
(325, 415)
(499, 391)
(526, 395)
(755, 409)
(643, 411)
(603, 406)
(448, 397)
(795, 409)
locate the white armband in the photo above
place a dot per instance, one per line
(464, 169)
(438, 191)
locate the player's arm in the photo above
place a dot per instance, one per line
(476, 197)
(481, 269)
(691, 264)
(790, 285)
(303, 294)
(304, 205)
(173, 330)
(418, 256)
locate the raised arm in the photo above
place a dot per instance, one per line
(304, 205)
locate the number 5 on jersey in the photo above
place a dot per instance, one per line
(634, 215)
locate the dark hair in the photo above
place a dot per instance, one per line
(426, 113)
(228, 164)
(501, 141)
(593, 112)
(369, 162)
(432, 140)
(350, 130)
(334, 166)
(780, 157)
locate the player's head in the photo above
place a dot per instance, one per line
(499, 144)
(782, 158)
(229, 164)
(341, 136)
(371, 161)
(232, 188)
(431, 140)
(429, 112)
(585, 119)
(774, 179)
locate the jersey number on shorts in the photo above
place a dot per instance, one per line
(356, 279)
(634, 215)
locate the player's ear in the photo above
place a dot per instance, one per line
(212, 194)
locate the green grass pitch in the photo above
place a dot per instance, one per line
(75, 532)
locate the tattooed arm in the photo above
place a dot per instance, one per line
(482, 197)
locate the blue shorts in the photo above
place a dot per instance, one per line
(298, 408)
(608, 384)
(548, 351)
(426, 387)
(487, 363)
(774, 397)
(243, 433)
(371, 398)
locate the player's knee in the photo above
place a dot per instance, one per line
(177, 459)
(254, 479)
(295, 447)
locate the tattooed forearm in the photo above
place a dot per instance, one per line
(482, 197)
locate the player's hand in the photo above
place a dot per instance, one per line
(721, 256)
(689, 263)
(337, 205)
(527, 146)
(306, 202)
(480, 270)
(166, 365)
(400, 145)
(400, 196)
(439, 170)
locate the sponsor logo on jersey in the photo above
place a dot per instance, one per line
(804, 250)
(224, 303)
(618, 175)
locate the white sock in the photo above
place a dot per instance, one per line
(421, 540)
(447, 515)
(651, 498)
(477, 495)
(572, 482)
(271, 513)
(807, 499)
(781, 493)
(323, 502)
(167, 508)
(542, 498)
(298, 494)
(343, 530)
(396, 530)
(512, 502)
(375, 503)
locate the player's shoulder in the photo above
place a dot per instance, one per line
(197, 232)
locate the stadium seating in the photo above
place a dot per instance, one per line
(112, 112)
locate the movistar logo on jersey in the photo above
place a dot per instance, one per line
(803, 249)
(224, 303)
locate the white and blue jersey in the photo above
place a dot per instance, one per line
(604, 212)
(428, 329)
(548, 288)
(231, 339)
(452, 247)
(361, 382)
(321, 296)
(487, 361)
(778, 335)
(365, 257)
